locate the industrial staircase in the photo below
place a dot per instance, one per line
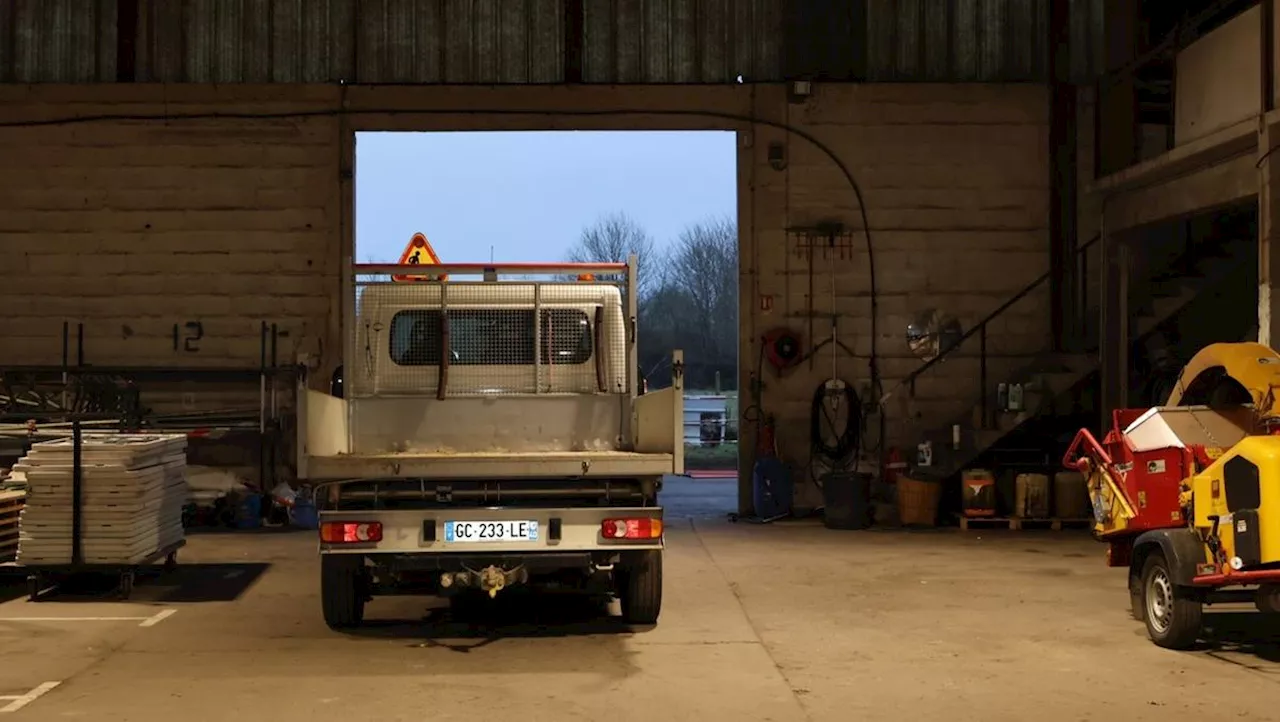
(1047, 376)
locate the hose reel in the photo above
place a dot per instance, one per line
(781, 348)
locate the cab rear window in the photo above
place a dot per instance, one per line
(490, 337)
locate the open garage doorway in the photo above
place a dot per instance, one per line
(670, 197)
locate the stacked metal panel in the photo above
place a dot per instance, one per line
(10, 510)
(133, 488)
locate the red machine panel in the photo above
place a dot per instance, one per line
(1152, 478)
(1149, 472)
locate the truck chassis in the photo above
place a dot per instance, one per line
(388, 537)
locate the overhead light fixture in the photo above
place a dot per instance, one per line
(778, 156)
(799, 91)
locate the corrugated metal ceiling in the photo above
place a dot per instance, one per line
(682, 41)
(383, 41)
(938, 40)
(64, 41)
(523, 41)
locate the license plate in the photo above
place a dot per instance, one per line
(468, 532)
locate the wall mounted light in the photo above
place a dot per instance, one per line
(798, 91)
(778, 155)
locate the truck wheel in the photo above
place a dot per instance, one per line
(342, 592)
(640, 588)
(1172, 615)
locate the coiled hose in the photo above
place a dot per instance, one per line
(849, 439)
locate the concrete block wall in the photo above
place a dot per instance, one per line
(955, 179)
(133, 226)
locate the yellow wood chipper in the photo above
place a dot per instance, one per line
(1187, 495)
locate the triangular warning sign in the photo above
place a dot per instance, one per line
(419, 253)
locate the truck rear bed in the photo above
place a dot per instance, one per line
(491, 465)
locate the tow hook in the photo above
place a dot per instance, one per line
(491, 579)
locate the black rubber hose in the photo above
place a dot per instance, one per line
(849, 438)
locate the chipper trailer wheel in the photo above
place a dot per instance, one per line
(1172, 616)
(342, 592)
(1268, 599)
(640, 587)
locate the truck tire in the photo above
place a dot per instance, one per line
(1172, 614)
(342, 592)
(640, 587)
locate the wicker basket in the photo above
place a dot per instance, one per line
(918, 501)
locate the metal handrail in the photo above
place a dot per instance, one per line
(981, 326)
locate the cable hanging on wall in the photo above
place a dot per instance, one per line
(822, 147)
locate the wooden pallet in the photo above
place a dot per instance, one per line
(1017, 523)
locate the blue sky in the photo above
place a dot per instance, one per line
(529, 194)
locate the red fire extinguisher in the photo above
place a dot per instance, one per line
(893, 465)
(766, 444)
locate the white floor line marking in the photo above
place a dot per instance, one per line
(26, 699)
(158, 617)
(73, 619)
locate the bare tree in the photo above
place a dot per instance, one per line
(612, 239)
(688, 294)
(693, 306)
(707, 256)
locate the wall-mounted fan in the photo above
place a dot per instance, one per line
(933, 333)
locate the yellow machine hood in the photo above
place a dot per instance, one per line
(1253, 366)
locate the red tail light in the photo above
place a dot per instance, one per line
(350, 532)
(644, 528)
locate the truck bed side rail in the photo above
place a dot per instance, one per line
(494, 269)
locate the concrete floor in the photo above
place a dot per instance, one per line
(781, 622)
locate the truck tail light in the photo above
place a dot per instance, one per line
(350, 532)
(644, 528)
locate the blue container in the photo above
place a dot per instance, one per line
(249, 513)
(304, 516)
(771, 488)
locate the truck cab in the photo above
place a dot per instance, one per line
(488, 433)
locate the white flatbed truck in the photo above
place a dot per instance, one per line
(487, 433)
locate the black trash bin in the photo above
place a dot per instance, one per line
(846, 496)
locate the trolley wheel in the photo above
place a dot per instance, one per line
(34, 584)
(733, 517)
(126, 584)
(170, 562)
